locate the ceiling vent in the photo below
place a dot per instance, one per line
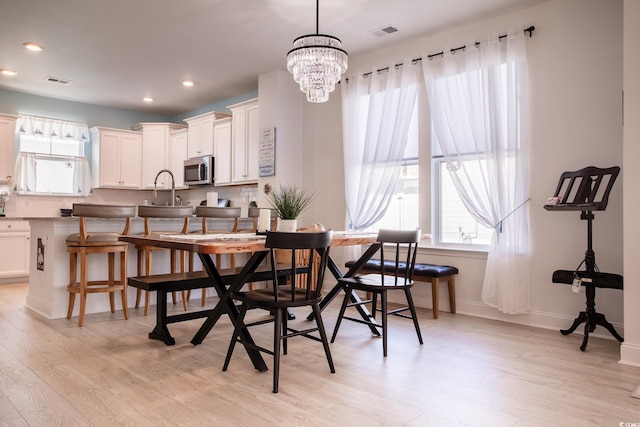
(57, 80)
(379, 32)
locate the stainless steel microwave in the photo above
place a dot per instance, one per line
(199, 171)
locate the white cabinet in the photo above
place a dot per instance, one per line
(7, 147)
(245, 142)
(14, 249)
(116, 158)
(156, 141)
(178, 154)
(222, 151)
(201, 133)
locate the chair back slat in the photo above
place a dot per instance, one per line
(313, 242)
(154, 212)
(89, 210)
(219, 212)
(393, 244)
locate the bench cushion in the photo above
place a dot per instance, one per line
(421, 269)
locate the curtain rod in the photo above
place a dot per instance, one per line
(455, 49)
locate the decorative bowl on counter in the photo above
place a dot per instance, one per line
(66, 212)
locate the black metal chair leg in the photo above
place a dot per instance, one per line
(343, 307)
(383, 296)
(323, 337)
(414, 315)
(277, 336)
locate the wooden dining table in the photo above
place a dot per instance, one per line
(206, 246)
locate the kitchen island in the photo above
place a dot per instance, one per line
(49, 269)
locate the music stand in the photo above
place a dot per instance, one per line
(583, 191)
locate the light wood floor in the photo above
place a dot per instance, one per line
(469, 371)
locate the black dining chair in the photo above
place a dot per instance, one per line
(299, 291)
(397, 259)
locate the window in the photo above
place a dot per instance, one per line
(454, 223)
(402, 212)
(55, 161)
(50, 164)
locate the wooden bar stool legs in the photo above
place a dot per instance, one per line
(84, 286)
(84, 243)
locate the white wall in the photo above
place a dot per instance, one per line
(575, 58)
(630, 351)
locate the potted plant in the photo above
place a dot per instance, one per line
(290, 201)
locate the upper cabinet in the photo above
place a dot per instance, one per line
(7, 147)
(178, 154)
(156, 153)
(222, 151)
(245, 142)
(116, 158)
(200, 141)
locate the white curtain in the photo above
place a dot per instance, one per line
(376, 112)
(479, 108)
(26, 181)
(25, 173)
(81, 176)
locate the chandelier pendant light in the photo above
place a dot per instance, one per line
(317, 61)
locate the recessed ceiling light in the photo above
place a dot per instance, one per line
(187, 83)
(147, 99)
(9, 73)
(32, 46)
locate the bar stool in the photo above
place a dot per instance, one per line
(220, 213)
(85, 243)
(145, 252)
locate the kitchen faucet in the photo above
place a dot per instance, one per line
(173, 186)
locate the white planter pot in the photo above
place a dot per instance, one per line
(289, 225)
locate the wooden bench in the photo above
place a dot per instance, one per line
(170, 282)
(435, 274)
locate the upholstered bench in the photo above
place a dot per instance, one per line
(422, 273)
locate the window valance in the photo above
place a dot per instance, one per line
(52, 128)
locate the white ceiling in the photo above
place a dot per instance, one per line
(115, 52)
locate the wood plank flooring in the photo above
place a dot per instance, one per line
(469, 372)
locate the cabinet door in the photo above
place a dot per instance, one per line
(7, 148)
(222, 153)
(178, 151)
(245, 143)
(14, 249)
(252, 151)
(154, 157)
(196, 131)
(239, 145)
(130, 161)
(110, 146)
(201, 138)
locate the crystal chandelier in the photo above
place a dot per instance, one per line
(317, 62)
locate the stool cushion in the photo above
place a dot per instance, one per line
(109, 238)
(421, 269)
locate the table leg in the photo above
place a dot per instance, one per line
(226, 304)
(161, 332)
(355, 298)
